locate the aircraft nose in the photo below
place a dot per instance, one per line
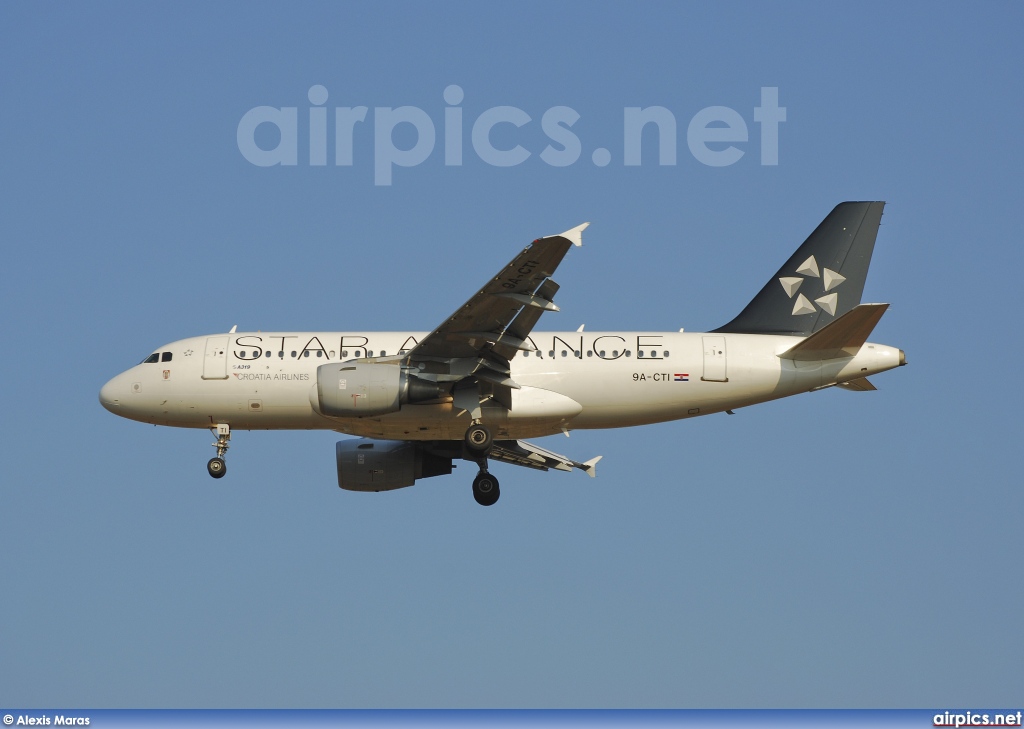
(110, 395)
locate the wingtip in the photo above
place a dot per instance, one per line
(590, 467)
(575, 235)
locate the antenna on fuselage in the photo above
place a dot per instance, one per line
(233, 329)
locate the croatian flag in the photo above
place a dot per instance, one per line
(682, 378)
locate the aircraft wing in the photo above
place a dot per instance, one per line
(521, 453)
(496, 321)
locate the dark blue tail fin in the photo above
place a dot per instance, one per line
(823, 280)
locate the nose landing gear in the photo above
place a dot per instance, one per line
(216, 467)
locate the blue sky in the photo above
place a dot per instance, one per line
(834, 549)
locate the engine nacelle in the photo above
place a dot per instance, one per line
(383, 465)
(346, 390)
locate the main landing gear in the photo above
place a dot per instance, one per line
(485, 489)
(216, 466)
(478, 442)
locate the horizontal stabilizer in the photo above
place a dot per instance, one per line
(860, 385)
(842, 338)
(590, 467)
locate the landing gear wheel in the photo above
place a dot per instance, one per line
(485, 489)
(479, 439)
(217, 467)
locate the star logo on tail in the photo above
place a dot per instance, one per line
(828, 302)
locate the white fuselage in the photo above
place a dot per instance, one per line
(264, 381)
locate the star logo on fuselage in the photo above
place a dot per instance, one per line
(828, 302)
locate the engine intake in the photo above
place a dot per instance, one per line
(384, 465)
(345, 390)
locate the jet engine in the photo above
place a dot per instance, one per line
(383, 465)
(346, 390)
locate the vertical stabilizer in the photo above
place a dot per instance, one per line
(823, 280)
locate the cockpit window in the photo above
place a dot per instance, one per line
(155, 357)
(165, 357)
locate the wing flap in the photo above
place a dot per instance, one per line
(522, 453)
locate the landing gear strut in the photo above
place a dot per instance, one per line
(216, 466)
(478, 442)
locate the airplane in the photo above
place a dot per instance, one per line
(483, 381)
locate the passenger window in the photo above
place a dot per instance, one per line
(344, 353)
(293, 353)
(666, 353)
(639, 353)
(152, 358)
(577, 353)
(165, 357)
(590, 353)
(653, 353)
(564, 353)
(628, 353)
(305, 353)
(242, 354)
(601, 353)
(526, 354)
(281, 354)
(268, 353)
(615, 353)
(551, 353)
(331, 355)
(319, 353)
(383, 353)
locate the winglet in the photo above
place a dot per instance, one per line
(590, 467)
(575, 235)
